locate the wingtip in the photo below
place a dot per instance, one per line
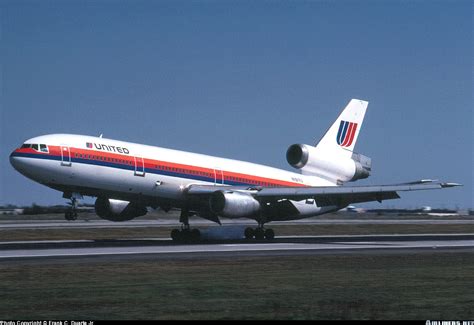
(431, 181)
(450, 184)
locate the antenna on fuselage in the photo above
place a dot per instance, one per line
(100, 136)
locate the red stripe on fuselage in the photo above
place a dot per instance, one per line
(162, 165)
(190, 169)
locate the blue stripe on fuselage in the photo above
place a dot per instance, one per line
(128, 167)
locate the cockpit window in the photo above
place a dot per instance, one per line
(37, 147)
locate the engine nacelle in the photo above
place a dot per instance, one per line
(118, 210)
(233, 204)
(311, 162)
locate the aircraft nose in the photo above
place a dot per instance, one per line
(17, 162)
(23, 165)
(14, 159)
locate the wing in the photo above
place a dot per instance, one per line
(325, 195)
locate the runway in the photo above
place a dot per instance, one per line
(49, 224)
(294, 245)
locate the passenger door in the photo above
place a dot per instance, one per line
(139, 166)
(218, 176)
(65, 156)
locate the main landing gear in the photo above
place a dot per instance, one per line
(259, 233)
(185, 234)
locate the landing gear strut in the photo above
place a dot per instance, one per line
(71, 213)
(259, 233)
(185, 234)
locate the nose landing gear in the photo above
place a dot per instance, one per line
(71, 213)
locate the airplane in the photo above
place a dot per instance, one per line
(126, 178)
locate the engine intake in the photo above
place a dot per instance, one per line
(297, 155)
(233, 204)
(118, 210)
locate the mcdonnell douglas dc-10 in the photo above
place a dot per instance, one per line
(127, 178)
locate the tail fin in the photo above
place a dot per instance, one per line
(332, 158)
(341, 137)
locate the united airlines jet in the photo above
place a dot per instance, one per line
(126, 178)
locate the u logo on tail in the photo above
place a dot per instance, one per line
(346, 133)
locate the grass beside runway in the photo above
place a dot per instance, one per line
(427, 285)
(160, 230)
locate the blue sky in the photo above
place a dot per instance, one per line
(244, 80)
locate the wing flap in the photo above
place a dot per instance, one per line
(346, 199)
(295, 193)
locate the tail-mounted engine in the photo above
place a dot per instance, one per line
(311, 162)
(117, 210)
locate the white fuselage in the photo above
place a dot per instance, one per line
(97, 166)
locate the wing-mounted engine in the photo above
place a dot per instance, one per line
(233, 204)
(312, 161)
(118, 210)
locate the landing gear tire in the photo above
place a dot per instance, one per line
(185, 235)
(195, 235)
(269, 234)
(70, 215)
(176, 235)
(249, 233)
(259, 233)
